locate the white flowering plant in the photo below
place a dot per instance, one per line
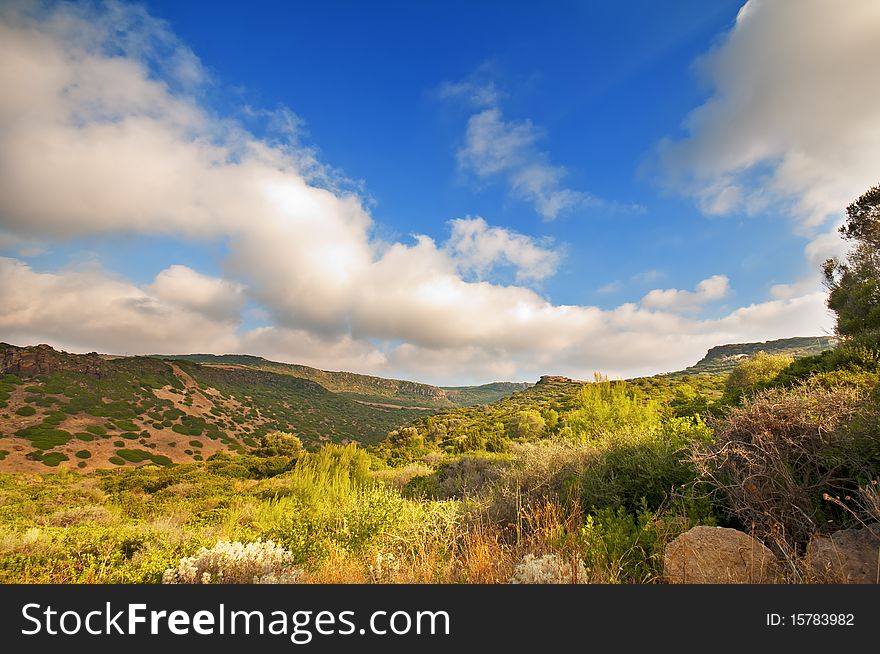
(233, 562)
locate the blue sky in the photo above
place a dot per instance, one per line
(452, 192)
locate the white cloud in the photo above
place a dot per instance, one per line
(610, 287)
(91, 310)
(183, 287)
(497, 147)
(477, 247)
(99, 135)
(793, 120)
(708, 290)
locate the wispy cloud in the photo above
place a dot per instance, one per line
(496, 147)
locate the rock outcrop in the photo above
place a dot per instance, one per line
(850, 556)
(716, 555)
(44, 360)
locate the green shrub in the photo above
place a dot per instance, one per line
(525, 425)
(608, 407)
(52, 459)
(84, 454)
(754, 374)
(635, 469)
(43, 436)
(26, 411)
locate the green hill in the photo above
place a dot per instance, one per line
(723, 358)
(367, 388)
(93, 411)
(541, 408)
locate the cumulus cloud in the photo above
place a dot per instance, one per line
(89, 309)
(708, 290)
(103, 133)
(513, 335)
(477, 248)
(183, 287)
(793, 119)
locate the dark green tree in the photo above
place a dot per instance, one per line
(854, 285)
(279, 443)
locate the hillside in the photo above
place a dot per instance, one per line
(723, 358)
(97, 411)
(367, 388)
(538, 409)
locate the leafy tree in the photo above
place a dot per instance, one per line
(279, 443)
(753, 374)
(854, 285)
(688, 401)
(526, 424)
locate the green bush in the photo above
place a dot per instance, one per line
(26, 411)
(754, 374)
(643, 468)
(84, 454)
(52, 459)
(609, 407)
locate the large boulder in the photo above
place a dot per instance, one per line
(851, 556)
(716, 555)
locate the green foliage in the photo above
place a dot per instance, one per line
(278, 443)
(854, 285)
(44, 436)
(26, 410)
(526, 425)
(647, 466)
(754, 374)
(606, 407)
(84, 454)
(52, 459)
(138, 456)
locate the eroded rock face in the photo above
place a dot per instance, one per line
(44, 360)
(716, 555)
(850, 556)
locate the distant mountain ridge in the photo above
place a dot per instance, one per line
(367, 388)
(723, 358)
(96, 411)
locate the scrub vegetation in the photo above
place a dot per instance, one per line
(562, 482)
